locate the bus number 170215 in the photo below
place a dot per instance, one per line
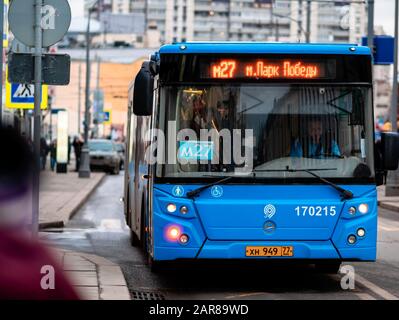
(316, 211)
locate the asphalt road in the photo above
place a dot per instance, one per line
(99, 228)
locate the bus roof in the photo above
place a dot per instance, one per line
(263, 48)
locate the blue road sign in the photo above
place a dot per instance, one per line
(383, 49)
(106, 117)
(98, 105)
(21, 93)
(21, 96)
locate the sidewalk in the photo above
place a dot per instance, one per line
(93, 277)
(390, 203)
(61, 196)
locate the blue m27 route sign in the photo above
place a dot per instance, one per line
(196, 150)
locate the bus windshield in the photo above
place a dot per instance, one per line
(326, 129)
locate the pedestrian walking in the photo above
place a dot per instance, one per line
(77, 147)
(69, 149)
(53, 154)
(24, 262)
(44, 151)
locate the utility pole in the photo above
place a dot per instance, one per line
(394, 105)
(98, 72)
(37, 114)
(308, 13)
(229, 22)
(392, 187)
(300, 16)
(84, 170)
(96, 131)
(1, 60)
(370, 25)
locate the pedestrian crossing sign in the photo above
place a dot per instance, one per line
(21, 96)
(107, 117)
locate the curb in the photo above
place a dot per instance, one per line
(86, 197)
(111, 283)
(61, 224)
(51, 225)
(389, 205)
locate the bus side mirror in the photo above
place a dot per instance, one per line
(389, 149)
(143, 91)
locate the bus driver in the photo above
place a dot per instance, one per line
(317, 144)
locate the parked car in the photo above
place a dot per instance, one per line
(104, 155)
(120, 147)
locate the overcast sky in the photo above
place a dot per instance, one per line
(384, 13)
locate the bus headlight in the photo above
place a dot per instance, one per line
(171, 207)
(363, 208)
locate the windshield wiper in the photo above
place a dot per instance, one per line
(345, 194)
(196, 192)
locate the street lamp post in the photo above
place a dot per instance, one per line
(394, 105)
(370, 24)
(392, 187)
(308, 12)
(84, 170)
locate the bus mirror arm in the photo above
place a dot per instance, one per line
(388, 148)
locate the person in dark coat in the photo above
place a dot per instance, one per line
(77, 147)
(69, 149)
(44, 150)
(28, 270)
(53, 154)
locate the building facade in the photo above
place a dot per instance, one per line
(243, 20)
(382, 87)
(250, 20)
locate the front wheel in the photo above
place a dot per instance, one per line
(134, 240)
(156, 266)
(328, 268)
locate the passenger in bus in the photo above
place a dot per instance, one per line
(201, 118)
(223, 117)
(317, 144)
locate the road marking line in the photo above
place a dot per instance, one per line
(387, 223)
(376, 289)
(365, 296)
(388, 229)
(111, 224)
(245, 295)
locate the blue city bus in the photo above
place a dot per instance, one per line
(290, 165)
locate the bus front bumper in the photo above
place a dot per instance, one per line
(304, 250)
